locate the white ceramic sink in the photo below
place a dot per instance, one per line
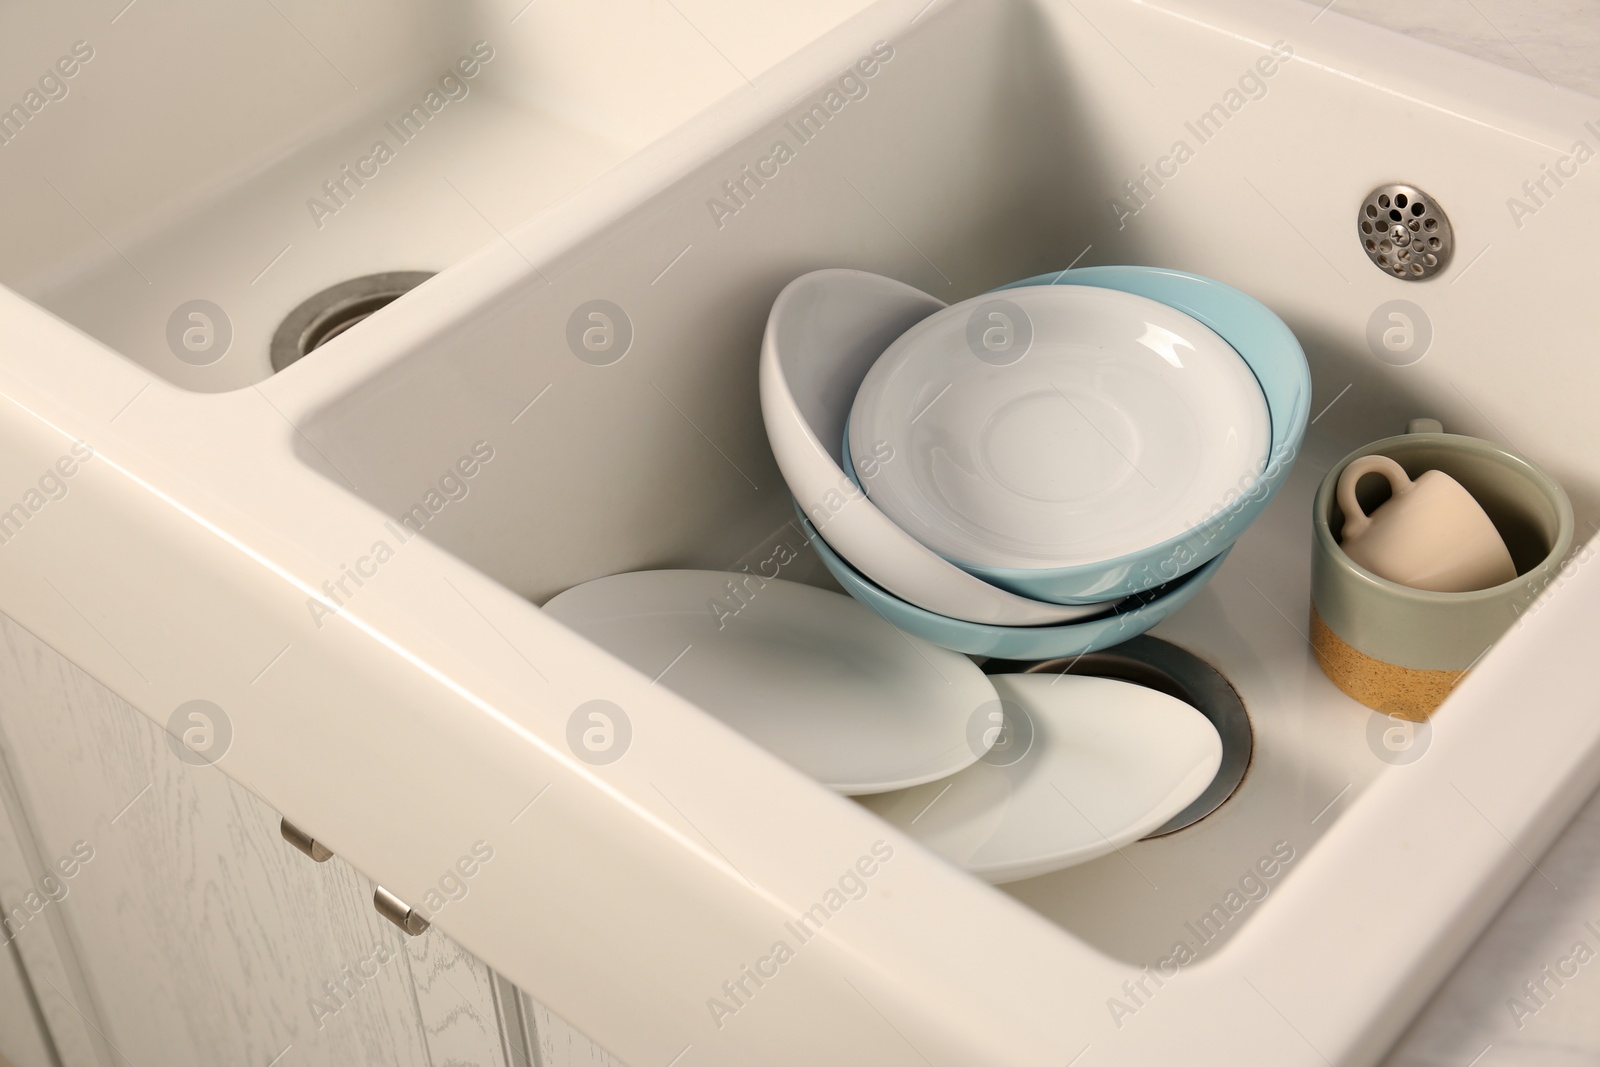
(233, 156)
(423, 705)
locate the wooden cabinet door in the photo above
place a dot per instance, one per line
(22, 1037)
(200, 936)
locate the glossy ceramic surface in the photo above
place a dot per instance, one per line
(1423, 629)
(1132, 617)
(1076, 767)
(1058, 426)
(809, 675)
(824, 332)
(1279, 365)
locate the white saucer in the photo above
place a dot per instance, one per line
(812, 676)
(1056, 426)
(1082, 767)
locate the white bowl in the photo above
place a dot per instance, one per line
(1057, 426)
(825, 331)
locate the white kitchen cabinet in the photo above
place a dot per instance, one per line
(176, 926)
(22, 1038)
(41, 1013)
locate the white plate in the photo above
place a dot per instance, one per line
(825, 331)
(1082, 767)
(1101, 423)
(812, 676)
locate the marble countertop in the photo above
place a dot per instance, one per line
(1528, 993)
(1557, 40)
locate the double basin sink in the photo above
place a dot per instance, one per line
(384, 515)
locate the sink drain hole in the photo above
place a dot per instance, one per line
(1166, 668)
(335, 309)
(1404, 231)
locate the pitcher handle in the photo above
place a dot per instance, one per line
(1357, 521)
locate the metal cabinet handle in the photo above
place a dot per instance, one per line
(304, 841)
(399, 912)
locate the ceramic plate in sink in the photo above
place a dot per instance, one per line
(1055, 426)
(1077, 767)
(812, 676)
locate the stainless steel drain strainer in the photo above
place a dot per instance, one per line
(327, 314)
(1404, 231)
(1166, 668)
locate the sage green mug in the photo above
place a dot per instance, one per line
(1401, 650)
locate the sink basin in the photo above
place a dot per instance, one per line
(588, 350)
(328, 143)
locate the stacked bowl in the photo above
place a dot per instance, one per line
(1044, 470)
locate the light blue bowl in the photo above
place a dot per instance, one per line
(1130, 619)
(1272, 352)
